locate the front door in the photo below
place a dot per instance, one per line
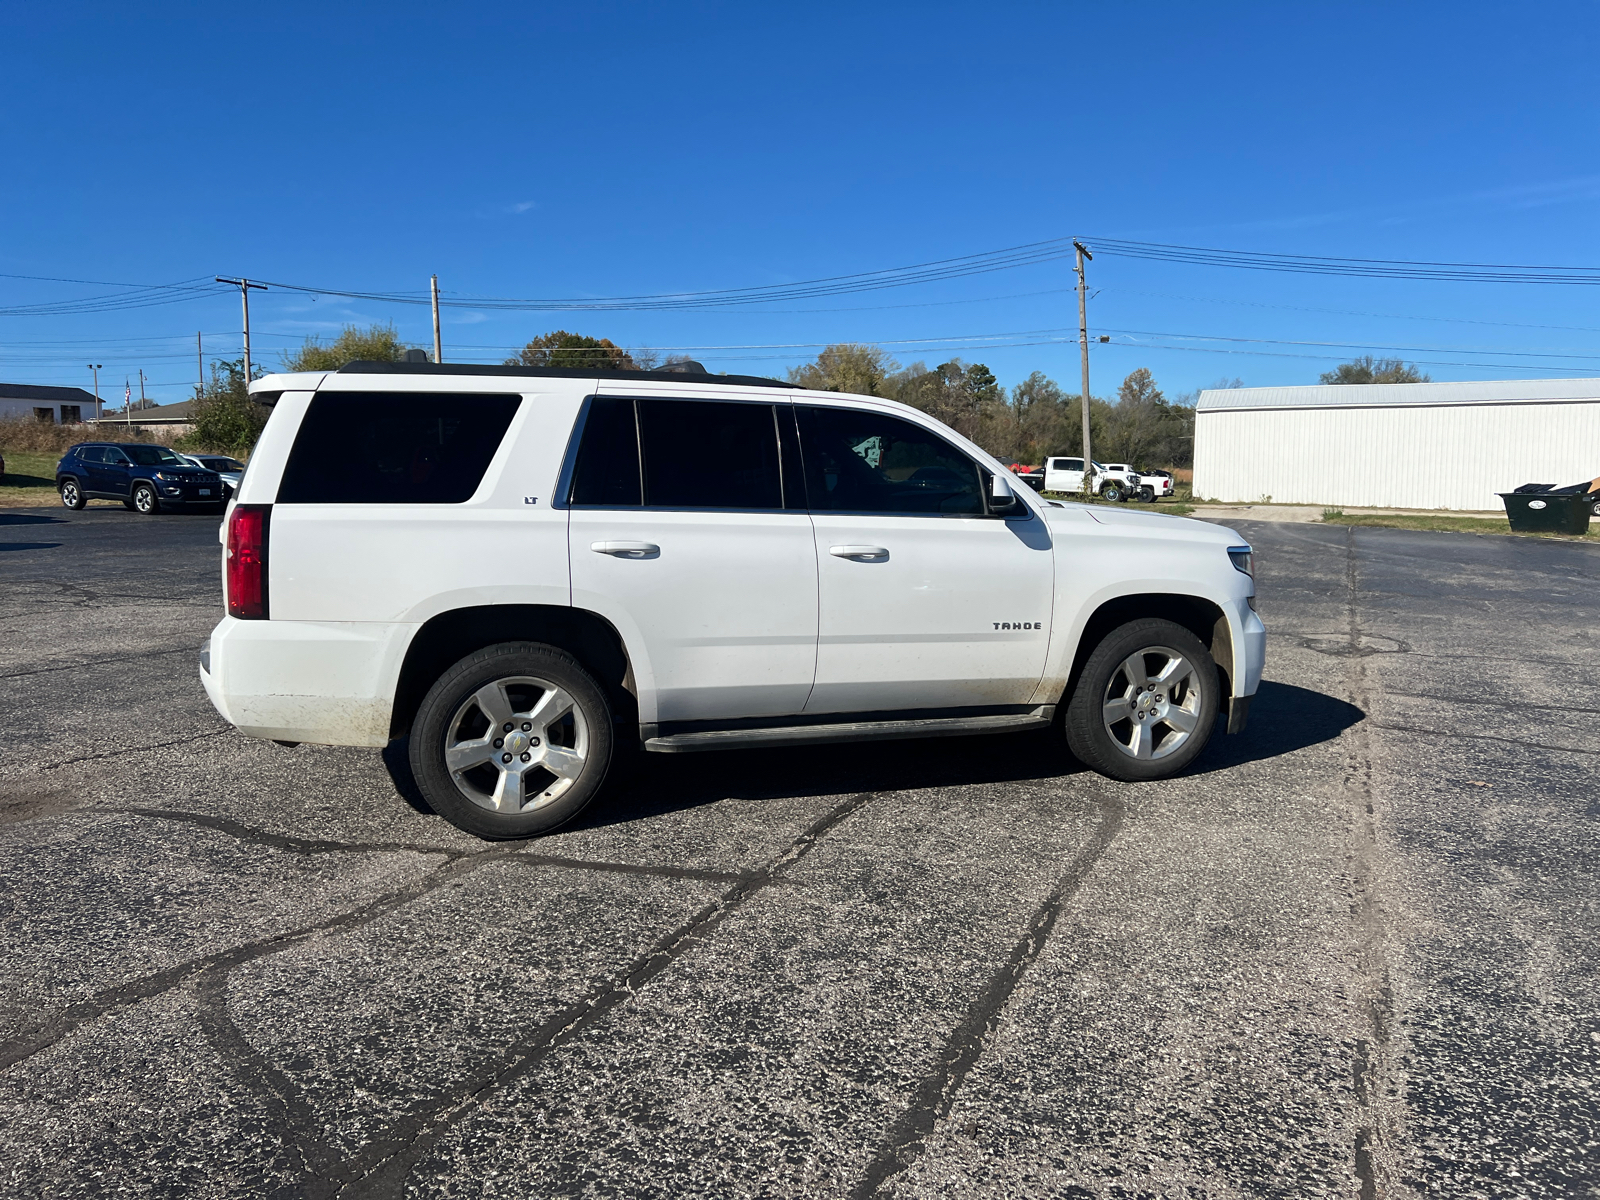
(679, 535)
(926, 602)
(109, 477)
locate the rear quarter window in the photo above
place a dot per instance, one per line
(394, 448)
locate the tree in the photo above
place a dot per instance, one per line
(1375, 370)
(847, 367)
(376, 343)
(226, 420)
(1143, 428)
(1037, 419)
(573, 351)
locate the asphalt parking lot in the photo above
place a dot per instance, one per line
(1352, 954)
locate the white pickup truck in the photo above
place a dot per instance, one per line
(520, 570)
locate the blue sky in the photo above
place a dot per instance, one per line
(621, 149)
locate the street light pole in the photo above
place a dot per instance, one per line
(1083, 341)
(95, 367)
(244, 286)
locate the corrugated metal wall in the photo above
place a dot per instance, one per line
(1454, 456)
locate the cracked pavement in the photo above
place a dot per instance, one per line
(1351, 954)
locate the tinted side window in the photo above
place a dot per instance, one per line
(857, 461)
(394, 448)
(91, 454)
(705, 454)
(607, 468)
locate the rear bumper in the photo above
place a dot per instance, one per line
(327, 682)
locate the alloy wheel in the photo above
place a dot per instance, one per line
(516, 744)
(1152, 703)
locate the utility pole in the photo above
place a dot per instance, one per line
(95, 367)
(200, 364)
(142, 401)
(438, 347)
(244, 286)
(1083, 341)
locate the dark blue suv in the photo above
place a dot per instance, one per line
(145, 478)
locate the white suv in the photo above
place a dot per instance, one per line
(523, 571)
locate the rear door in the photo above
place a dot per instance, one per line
(926, 601)
(687, 533)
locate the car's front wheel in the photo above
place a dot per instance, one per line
(72, 494)
(512, 741)
(1145, 703)
(144, 499)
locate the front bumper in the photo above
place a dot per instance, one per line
(182, 493)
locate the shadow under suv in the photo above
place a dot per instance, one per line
(145, 478)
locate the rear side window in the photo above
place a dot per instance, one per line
(394, 448)
(696, 454)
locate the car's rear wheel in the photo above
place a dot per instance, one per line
(512, 741)
(1145, 703)
(71, 494)
(144, 499)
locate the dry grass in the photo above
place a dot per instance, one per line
(21, 436)
(1446, 525)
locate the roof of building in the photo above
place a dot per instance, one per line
(1391, 395)
(39, 391)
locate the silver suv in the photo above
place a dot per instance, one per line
(523, 570)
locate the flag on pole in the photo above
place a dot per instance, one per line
(127, 394)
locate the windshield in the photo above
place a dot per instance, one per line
(153, 456)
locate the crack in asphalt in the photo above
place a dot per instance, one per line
(289, 1116)
(183, 741)
(937, 1091)
(53, 1027)
(298, 845)
(102, 662)
(380, 1169)
(1481, 737)
(280, 841)
(1504, 705)
(615, 868)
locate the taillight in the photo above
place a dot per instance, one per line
(246, 569)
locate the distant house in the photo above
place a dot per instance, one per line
(51, 405)
(164, 420)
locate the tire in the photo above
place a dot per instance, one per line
(144, 499)
(128, 504)
(1147, 494)
(474, 788)
(72, 494)
(1111, 492)
(1139, 747)
(1595, 508)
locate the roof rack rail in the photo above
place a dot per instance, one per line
(670, 374)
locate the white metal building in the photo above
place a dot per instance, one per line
(52, 405)
(1395, 445)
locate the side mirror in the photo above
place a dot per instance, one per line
(1002, 500)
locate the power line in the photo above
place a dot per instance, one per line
(1366, 268)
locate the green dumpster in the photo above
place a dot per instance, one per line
(1543, 512)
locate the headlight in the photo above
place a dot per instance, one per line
(167, 477)
(1244, 559)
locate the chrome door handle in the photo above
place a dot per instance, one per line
(860, 553)
(627, 549)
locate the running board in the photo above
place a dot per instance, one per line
(852, 731)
